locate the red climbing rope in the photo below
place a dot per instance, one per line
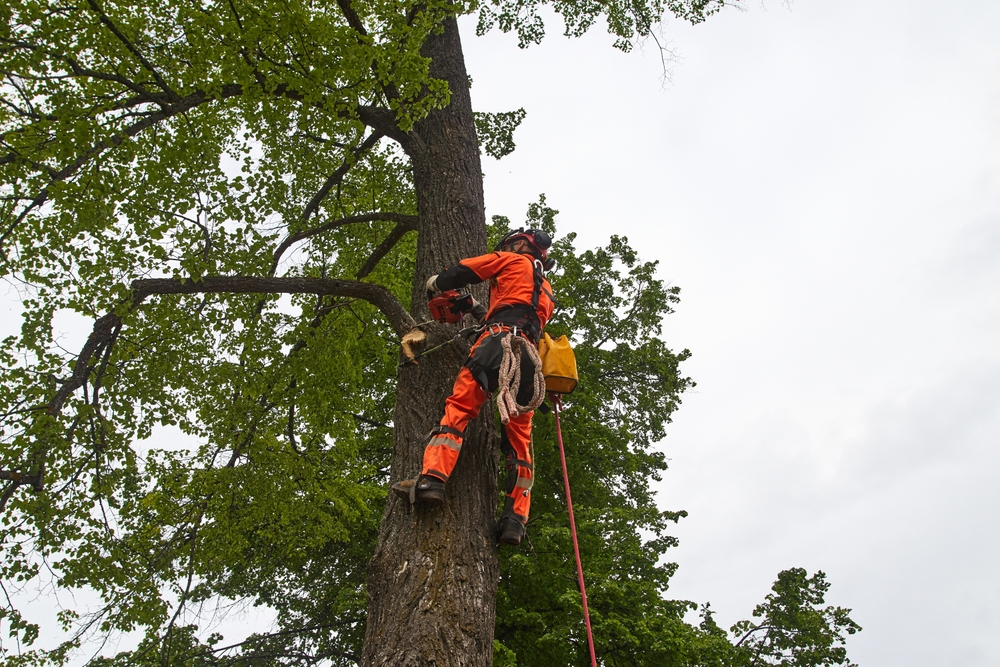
(557, 402)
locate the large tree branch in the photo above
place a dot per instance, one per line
(106, 20)
(388, 244)
(106, 327)
(408, 221)
(106, 330)
(384, 120)
(378, 296)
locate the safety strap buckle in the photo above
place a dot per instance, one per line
(495, 329)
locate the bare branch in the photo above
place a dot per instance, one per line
(337, 176)
(383, 249)
(352, 17)
(106, 20)
(400, 218)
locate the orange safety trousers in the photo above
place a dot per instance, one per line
(441, 453)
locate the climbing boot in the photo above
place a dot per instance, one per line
(424, 489)
(511, 531)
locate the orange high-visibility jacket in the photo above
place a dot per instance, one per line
(512, 282)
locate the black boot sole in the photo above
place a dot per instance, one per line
(511, 532)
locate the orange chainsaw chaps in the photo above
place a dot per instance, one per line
(442, 451)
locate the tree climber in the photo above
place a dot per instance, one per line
(521, 303)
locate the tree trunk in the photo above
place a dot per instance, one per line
(432, 581)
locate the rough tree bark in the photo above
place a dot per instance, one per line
(432, 581)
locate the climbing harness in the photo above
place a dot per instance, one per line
(557, 404)
(524, 316)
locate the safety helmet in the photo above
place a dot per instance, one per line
(538, 239)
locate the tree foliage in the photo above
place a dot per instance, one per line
(794, 630)
(224, 192)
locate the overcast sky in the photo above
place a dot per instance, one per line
(822, 180)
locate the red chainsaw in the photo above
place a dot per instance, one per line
(449, 306)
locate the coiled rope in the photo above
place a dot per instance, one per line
(510, 377)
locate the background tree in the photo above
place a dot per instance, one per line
(794, 630)
(245, 199)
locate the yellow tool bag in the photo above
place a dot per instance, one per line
(558, 364)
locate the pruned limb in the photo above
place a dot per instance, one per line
(399, 218)
(388, 244)
(378, 296)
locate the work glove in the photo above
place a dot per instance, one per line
(478, 311)
(432, 287)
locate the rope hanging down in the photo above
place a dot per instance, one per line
(510, 378)
(557, 402)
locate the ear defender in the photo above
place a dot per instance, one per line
(541, 238)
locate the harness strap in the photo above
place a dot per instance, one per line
(447, 429)
(536, 293)
(512, 463)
